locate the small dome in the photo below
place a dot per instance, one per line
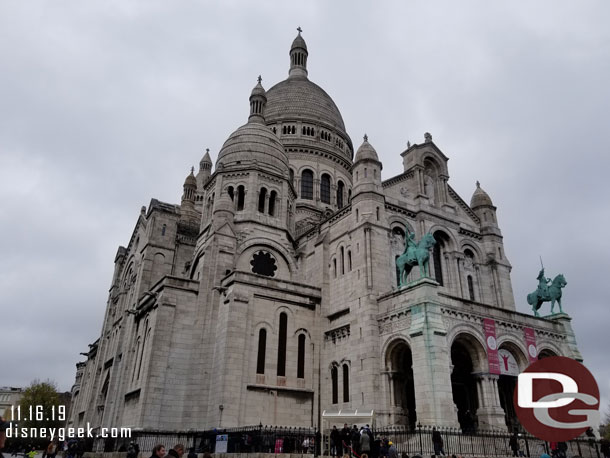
(206, 159)
(366, 151)
(299, 42)
(190, 180)
(480, 198)
(253, 143)
(258, 89)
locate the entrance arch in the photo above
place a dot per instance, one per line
(399, 368)
(512, 361)
(467, 359)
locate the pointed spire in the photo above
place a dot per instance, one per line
(193, 170)
(366, 138)
(478, 184)
(298, 57)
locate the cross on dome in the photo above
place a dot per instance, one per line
(299, 29)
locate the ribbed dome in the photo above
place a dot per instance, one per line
(299, 42)
(299, 98)
(480, 198)
(190, 180)
(253, 143)
(366, 151)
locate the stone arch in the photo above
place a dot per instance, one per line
(512, 344)
(467, 245)
(476, 339)
(507, 380)
(262, 324)
(398, 360)
(468, 357)
(547, 349)
(444, 244)
(269, 244)
(302, 331)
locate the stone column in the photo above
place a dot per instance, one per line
(490, 414)
(431, 357)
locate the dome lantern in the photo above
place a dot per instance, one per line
(298, 56)
(258, 100)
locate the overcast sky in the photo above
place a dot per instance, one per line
(104, 105)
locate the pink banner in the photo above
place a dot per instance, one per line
(530, 343)
(492, 345)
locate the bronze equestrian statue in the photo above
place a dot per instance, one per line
(546, 292)
(415, 254)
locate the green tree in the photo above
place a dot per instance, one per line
(41, 408)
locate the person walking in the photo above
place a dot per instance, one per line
(437, 442)
(50, 451)
(392, 452)
(514, 444)
(177, 451)
(335, 442)
(356, 440)
(346, 438)
(366, 440)
(158, 451)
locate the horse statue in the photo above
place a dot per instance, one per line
(546, 292)
(415, 254)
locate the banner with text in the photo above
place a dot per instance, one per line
(492, 345)
(530, 343)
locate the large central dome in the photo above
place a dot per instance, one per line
(298, 98)
(303, 114)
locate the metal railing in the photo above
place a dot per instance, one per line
(408, 442)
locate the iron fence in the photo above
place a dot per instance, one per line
(250, 439)
(482, 443)
(408, 442)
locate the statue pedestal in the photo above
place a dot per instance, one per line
(565, 321)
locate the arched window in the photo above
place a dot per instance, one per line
(335, 267)
(397, 270)
(307, 185)
(437, 254)
(230, 191)
(272, 199)
(470, 287)
(342, 261)
(325, 189)
(262, 348)
(349, 261)
(340, 187)
(334, 376)
(345, 383)
(241, 197)
(301, 357)
(261, 200)
(281, 349)
(377, 213)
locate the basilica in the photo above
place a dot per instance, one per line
(271, 293)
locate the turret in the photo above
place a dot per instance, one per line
(298, 57)
(205, 170)
(366, 172)
(483, 207)
(187, 206)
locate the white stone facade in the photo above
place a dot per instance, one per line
(270, 294)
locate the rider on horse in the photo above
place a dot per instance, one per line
(543, 285)
(409, 241)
